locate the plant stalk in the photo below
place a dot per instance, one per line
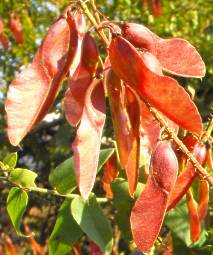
(201, 171)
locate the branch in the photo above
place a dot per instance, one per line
(180, 144)
(93, 21)
(47, 191)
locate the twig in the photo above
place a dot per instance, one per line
(95, 11)
(181, 146)
(89, 15)
(207, 134)
(55, 193)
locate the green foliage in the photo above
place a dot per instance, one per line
(16, 205)
(123, 204)
(11, 160)
(178, 221)
(91, 219)
(66, 231)
(63, 179)
(23, 177)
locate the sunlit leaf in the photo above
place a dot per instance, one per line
(16, 205)
(11, 159)
(23, 177)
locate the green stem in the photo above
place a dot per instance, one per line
(207, 133)
(93, 21)
(55, 193)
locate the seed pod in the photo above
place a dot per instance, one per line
(16, 28)
(203, 198)
(186, 178)
(170, 52)
(130, 66)
(34, 90)
(194, 221)
(79, 81)
(149, 210)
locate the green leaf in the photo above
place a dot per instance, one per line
(16, 205)
(11, 160)
(63, 176)
(123, 204)
(66, 231)
(23, 177)
(90, 217)
(105, 154)
(178, 221)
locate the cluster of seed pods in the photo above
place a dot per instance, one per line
(137, 59)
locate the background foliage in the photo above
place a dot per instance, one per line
(50, 143)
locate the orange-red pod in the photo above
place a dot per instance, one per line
(86, 146)
(169, 52)
(131, 66)
(110, 173)
(156, 8)
(132, 165)
(194, 221)
(148, 212)
(120, 118)
(209, 159)
(80, 80)
(3, 38)
(203, 198)
(16, 28)
(186, 178)
(34, 90)
(125, 111)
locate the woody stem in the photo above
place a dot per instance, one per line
(180, 144)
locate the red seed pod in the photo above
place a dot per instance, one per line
(3, 38)
(26, 104)
(88, 138)
(78, 82)
(16, 28)
(149, 210)
(169, 52)
(209, 159)
(186, 178)
(131, 67)
(139, 36)
(203, 198)
(110, 173)
(194, 221)
(125, 113)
